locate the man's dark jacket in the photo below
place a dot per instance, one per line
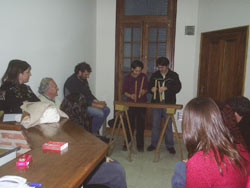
(172, 83)
(75, 85)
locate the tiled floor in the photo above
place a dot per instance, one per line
(142, 172)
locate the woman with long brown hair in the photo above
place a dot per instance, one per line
(14, 88)
(213, 159)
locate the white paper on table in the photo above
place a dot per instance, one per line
(12, 117)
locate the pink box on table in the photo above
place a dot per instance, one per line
(24, 160)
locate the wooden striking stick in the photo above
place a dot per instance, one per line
(160, 96)
(155, 90)
(135, 90)
(142, 82)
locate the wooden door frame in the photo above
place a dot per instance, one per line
(120, 19)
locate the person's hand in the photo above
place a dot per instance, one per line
(153, 89)
(132, 96)
(162, 89)
(98, 105)
(102, 102)
(185, 160)
(95, 101)
(99, 102)
(142, 92)
(108, 159)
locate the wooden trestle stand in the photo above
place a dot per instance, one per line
(122, 108)
(170, 114)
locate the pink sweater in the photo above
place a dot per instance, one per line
(203, 172)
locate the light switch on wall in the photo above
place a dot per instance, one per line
(189, 30)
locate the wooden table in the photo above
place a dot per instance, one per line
(54, 169)
(122, 107)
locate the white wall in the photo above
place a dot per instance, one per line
(205, 15)
(222, 14)
(51, 35)
(187, 13)
(184, 52)
(105, 51)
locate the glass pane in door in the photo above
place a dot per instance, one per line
(157, 46)
(127, 35)
(126, 65)
(136, 34)
(151, 49)
(152, 34)
(146, 7)
(127, 49)
(151, 65)
(162, 34)
(136, 50)
(131, 46)
(161, 49)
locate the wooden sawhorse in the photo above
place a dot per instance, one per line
(122, 107)
(170, 114)
(121, 111)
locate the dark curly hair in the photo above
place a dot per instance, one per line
(163, 61)
(82, 67)
(239, 104)
(137, 63)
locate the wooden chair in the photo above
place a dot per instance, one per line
(90, 124)
(2, 98)
(75, 106)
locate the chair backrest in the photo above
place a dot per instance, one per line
(75, 106)
(66, 91)
(2, 98)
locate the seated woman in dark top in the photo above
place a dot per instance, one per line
(240, 127)
(14, 88)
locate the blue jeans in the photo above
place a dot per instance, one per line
(98, 115)
(110, 174)
(157, 114)
(179, 177)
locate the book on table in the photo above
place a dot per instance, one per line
(55, 146)
(7, 154)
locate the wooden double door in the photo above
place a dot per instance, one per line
(145, 30)
(222, 63)
(145, 42)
